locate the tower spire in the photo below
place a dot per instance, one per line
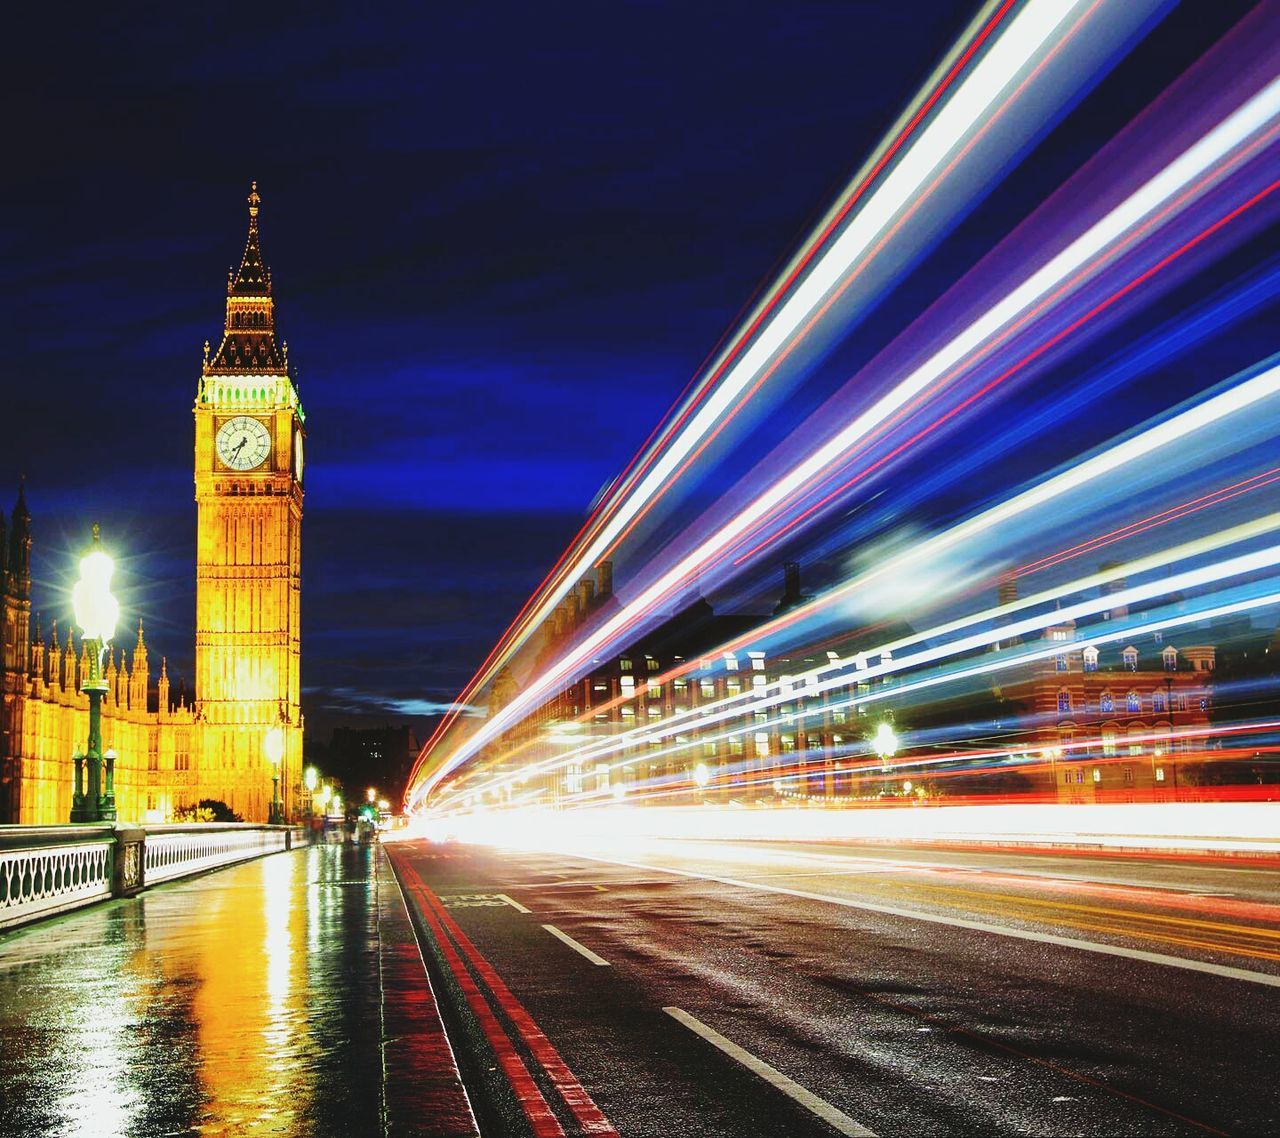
(249, 335)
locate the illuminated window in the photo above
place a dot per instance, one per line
(757, 661)
(628, 711)
(733, 687)
(730, 662)
(624, 664)
(1108, 741)
(655, 712)
(839, 715)
(762, 717)
(1159, 774)
(1090, 658)
(787, 743)
(1128, 774)
(735, 745)
(651, 663)
(1130, 656)
(758, 681)
(762, 745)
(1079, 774)
(1133, 703)
(1064, 700)
(1097, 774)
(1060, 662)
(1170, 656)
(1158, 705)
(655, 690)
(1106, 703)
(708, 689)
(679, 686)
(628, 685)
(600, 687)
(709, 749)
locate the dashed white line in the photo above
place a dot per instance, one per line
(573, 944)
(834, 1118)
(514, 904)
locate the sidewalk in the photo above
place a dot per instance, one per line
(267, 998)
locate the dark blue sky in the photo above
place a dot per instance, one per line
(503, 237)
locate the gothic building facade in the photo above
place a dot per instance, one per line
(172, 750)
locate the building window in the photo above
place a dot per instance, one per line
(1130, 656)
(757, 661)
(1060, 662)
(655, 712)
(1090, 658)
(1170, 656)
(1158, 705)
(1097, 774)
(651, 663)
(1128, 775)
(679, 686)
(707, 688)
(1159, 774)
(1106, 703)
(628, 711)
(1133, 703)
(625, 664)
(733, 687)
(762, 745)
(655, 690)
(628, 685)
(1064, 700)
(735, 745)
(1108, 742)
(758, 682)
(709, 749)
(1079, 775)
(730, 662)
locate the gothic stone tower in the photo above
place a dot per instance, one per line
(248, 476)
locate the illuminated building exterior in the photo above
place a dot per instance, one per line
(248, 475)
(172, 751)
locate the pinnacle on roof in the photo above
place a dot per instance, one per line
(253, 277)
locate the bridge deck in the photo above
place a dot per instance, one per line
(257, 999)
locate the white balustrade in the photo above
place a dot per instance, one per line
(177, 854)
(42, 880)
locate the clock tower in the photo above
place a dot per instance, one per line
(248, 477)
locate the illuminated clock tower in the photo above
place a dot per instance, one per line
(248, 474)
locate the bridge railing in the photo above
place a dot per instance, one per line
(50, 869)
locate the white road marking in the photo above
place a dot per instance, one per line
(1230, 973)
(573, 944)
(837, 1119)
(519, 908)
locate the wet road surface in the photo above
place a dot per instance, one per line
(243, 1002)
(713, 988)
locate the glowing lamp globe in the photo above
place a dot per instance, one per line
(309, 779)
(273, 745)
(885, 742)
(96, 609)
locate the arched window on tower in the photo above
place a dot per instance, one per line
(1064, 700)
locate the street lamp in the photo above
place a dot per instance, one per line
(273, 745)
(885, 744)
(96, 613)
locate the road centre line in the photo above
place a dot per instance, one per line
(573, 944)
(837, 1119)
(1227, 971)
(519, 908)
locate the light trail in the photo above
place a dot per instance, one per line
(817, 682)
(1031, 32)
(1242, 397)
(1204, 172)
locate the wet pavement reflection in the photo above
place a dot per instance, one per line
(242, 1002)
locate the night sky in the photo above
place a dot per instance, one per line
(503, 237)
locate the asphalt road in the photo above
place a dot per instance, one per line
(759, 989)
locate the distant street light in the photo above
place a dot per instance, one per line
(701, 775)
(885, 742)
(273, 745)
(96, 613)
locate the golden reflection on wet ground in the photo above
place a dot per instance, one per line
(243, 1002)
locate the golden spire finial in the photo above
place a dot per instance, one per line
(97, 534)
(254, 200)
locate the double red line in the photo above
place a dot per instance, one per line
(471, 970)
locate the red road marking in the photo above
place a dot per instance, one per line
(586, 1113)
(541, 1119)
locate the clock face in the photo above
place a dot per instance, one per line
(243, 443)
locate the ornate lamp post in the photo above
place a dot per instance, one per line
(885, 745)
(273, 745)
(96, 613)
(310, 780)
